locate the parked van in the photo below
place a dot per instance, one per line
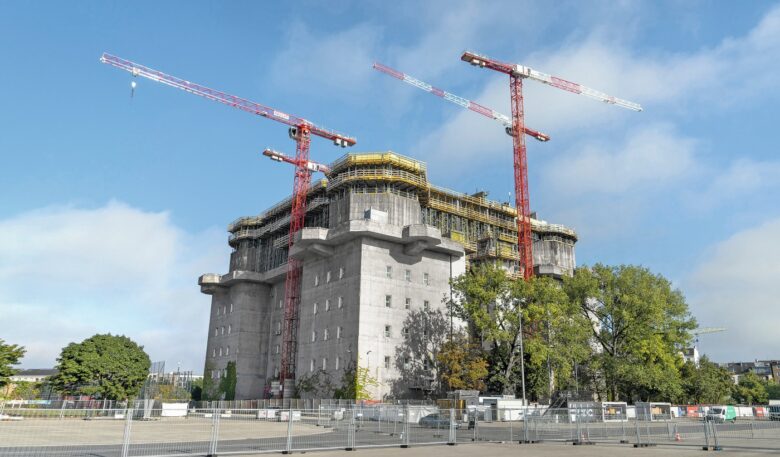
(720, 414)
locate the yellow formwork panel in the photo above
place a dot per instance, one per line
(387, 158)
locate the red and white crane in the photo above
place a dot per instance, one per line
(468, 104)
(300, 131)
(517, 73)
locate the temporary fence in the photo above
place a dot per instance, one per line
(211, 431)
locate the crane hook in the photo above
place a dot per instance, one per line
(132, 88)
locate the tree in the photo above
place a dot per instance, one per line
(103, 366)
(356, 383)
(705, 383)
(424, 334)
(486, 303)
(497, 309)
(196, 389)
(751, 389)
(773, 391)
(639, 324)
(10, 354)
(227, 385)
(462, 365)
(318, 384)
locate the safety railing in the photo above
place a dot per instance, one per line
(220, 431)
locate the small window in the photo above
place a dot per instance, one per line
(224, 310)
(218, 308)
(313, 336)
(405, 330)
(214, 352)
(388, 331)
(407, 363)
(338, 360)
(222, 330)
(426, 305)
(316, 280)
(408, 303)
(216, 331)
(281, 302)
(387, 362)
(427, 364)
(276, 348)
(338, 332)
(327, 304)
(327, 276)
(220, 351)
(341, 302)
(389, 272)
(388, 301)
(325, 334)
(341, 272)
(408, 275)
(311, 365)
(231, 307)
(314, 308)
(426, 280)
(227, 350)
(230, 328)
(276, 372)
(324, 363)
(278, 328)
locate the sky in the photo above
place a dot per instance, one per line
(112, 205)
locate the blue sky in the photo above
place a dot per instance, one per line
(113, 206)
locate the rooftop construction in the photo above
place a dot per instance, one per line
(379, 242)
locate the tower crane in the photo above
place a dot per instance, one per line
(517, 73)
(702, 331)
(468, 104)
(300, 131)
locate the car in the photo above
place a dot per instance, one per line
(436, 420)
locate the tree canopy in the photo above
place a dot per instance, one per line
(10, 354)
(705, 383)
(103, 366)
(639, 324)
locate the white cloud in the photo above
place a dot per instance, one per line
(649, 156)
(737, 71)
(67, 273)
(737, 287)
(743, 177)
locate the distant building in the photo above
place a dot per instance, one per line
(768, 370)
(33, 375)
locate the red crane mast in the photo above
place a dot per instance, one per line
(516, 75)
(300, 131)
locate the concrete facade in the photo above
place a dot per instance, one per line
(375, 248)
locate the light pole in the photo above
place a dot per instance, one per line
(522, 358)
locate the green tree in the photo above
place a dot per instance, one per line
(497, 309)
(773, 391)
(103, 366)
(751, 389)
(705, 383)
(639, 324)
(486, 303)
(10, 354)
(555, 335)
(227, 384)
(25, 390)
(196, 389)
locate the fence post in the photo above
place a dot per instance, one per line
(214, 432)
(511, 435)
(126, 435)
(406, 429)
(451, 437)
(715, 437)
(288, 445)
(638, 436)
(351, 433)
(476, 424)
(623, 430)
(525, 426)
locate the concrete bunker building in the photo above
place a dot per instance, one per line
(379, 241)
